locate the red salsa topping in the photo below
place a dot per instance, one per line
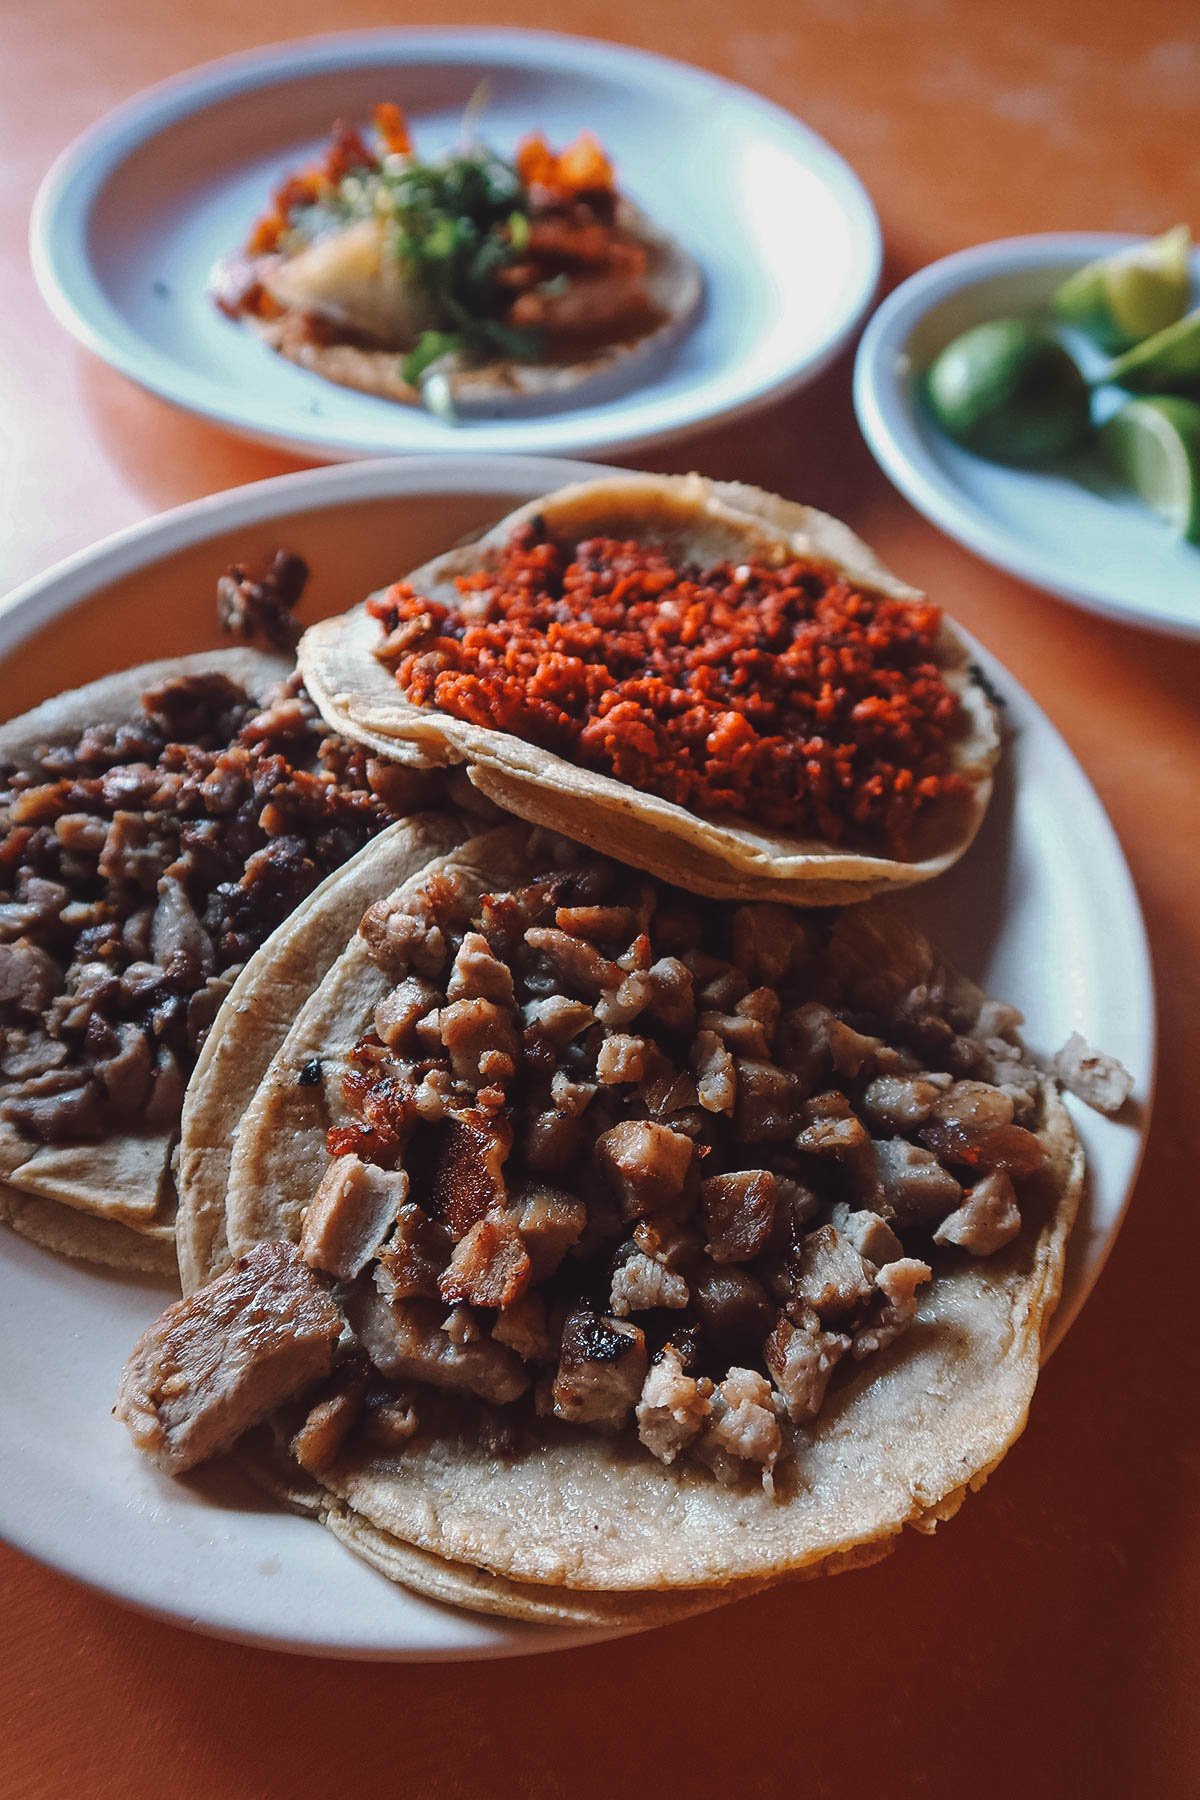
(787, 695)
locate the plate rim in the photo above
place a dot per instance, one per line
(63, 269)
(885, 414)
(67, 585)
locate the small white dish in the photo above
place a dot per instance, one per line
(1069, 528)
(1019, 912)
(132, 217)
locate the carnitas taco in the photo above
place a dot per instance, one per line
(155, 828)
(462, 281)
(615, 1242)
(720, 687)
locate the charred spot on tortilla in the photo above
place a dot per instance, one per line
(465, 280)
(310, 1074)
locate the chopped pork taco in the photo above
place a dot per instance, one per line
(464, 281)
(721, 687)
(596, 1241)
(155, 828)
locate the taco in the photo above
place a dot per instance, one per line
(720, 687)
(462, 282)
(155, 827)
(616, 1242)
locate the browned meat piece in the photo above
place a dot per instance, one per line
(556, 1020)
(179, 944)
(667, 1094)
(415, 1254)
(871, 1236)
(643, 1282)
(897, 1284)
(59, 1104)
(801, 1357)
(482, 1040)
(742, 1428)
(769, 942)
(552, 1139)
(126, 1074)
(740, 1032)
(852, 1051)
(875, 957)
(730, 1305)
(739, 1211)
(830, 1127)
(489, 1266)
(330, 1419)
(227, 1356)
(716, 1076)
(893, 1103)
(351, 1213)
(469, 1178)
(599, 924)
(601, 1368)
(411, 932)
(550, 1221)
(987, 1219)
(646, 1164)
(670, 999)
(478, 975)
(996, 1018)
(29, 977)
(29, 1053)
(802, 1041)
(397, 1013)
(916, 1188)
(522, 1326)
(406, 1341)
(622, 1058)
(972, 1124)
(575, 961)
(718, 985)
(1098, 1079)
(622, 1004)
(768, 1103)
(262, 611)
(673, 1407)
(389, 1419)
(831, 1278)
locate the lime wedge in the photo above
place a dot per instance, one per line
(1155, 446)
(1009, 390)
(1123, 298)
(1163, 363)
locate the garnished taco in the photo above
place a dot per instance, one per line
(460, 281)
(718, 686)
(613, 1241)
(155, 828)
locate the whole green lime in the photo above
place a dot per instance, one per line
(1010, 391)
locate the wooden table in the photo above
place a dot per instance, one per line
(1047, 1642)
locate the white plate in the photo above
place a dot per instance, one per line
(1070, 528)
(1022, 912)
(132, 217)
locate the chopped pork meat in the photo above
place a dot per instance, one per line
(742, 1427)
(988, 1218)
(871, 1236)
(801, 1357)
(330, 1420)
(489, 1266)
(1098, 1079)
(227, 1356)
(916, 1188)
(673, 1407)
(831, 1278)
(646, 1164)
(415, 1254)
(406, 1341)
(550, 1220)
(739, 1212)
(896, 1284)
(352, 1212)
(601, 1369)
(716, 1076)
(642, 1282)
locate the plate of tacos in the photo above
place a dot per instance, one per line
(558, 1068)
(430, 240)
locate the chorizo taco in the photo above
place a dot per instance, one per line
(718, 686)
(155, 827)
(462, 282)
(598, 1240)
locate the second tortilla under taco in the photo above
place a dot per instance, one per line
(608, 1240)
(719, 686)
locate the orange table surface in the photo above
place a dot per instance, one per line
(1046, 1642)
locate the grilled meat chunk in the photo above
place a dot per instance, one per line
(602, 1366)
(227, 1356)
(352, 1212)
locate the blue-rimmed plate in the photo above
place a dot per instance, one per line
(1069, 527)
(132, 217)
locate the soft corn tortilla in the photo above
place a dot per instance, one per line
(111, 1202)
(674, 285)
(902, 1443)
(257, 1014)
(703, 521)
